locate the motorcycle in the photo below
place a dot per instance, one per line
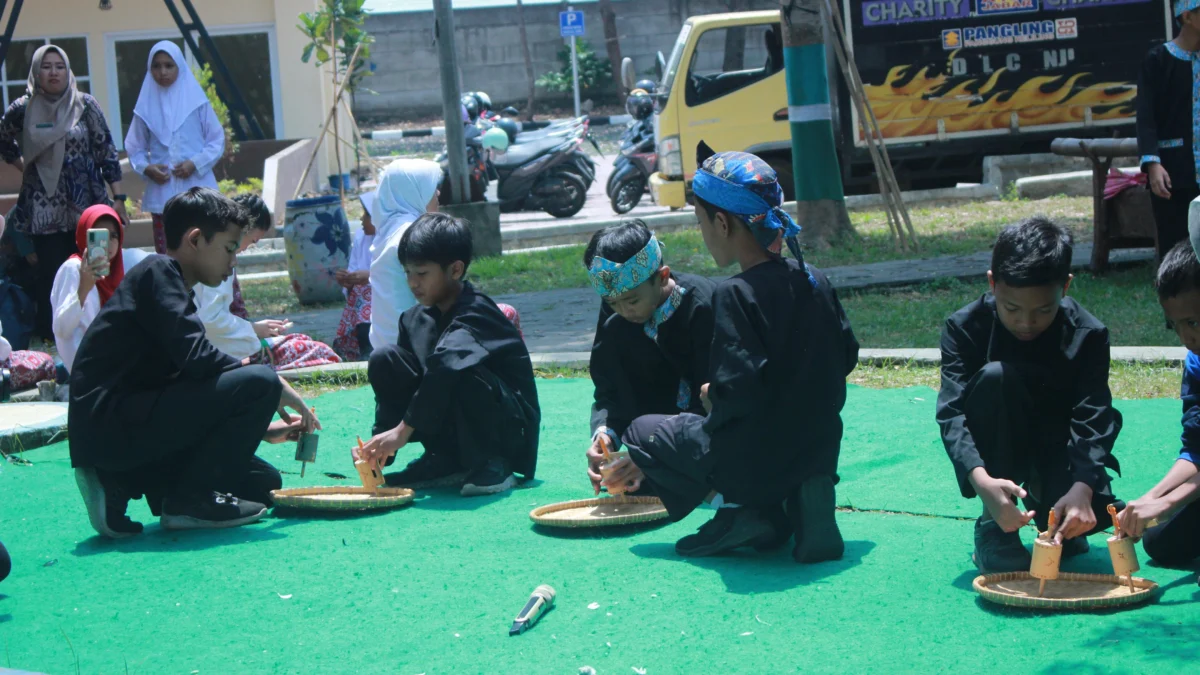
(477, 167)
(631, 179)
(636, 133)
(542, 175)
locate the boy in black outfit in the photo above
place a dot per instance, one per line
(653, 337)
(459, 380)
(156, 409)
(782, 348)
(1176, 542)
(1025, 410)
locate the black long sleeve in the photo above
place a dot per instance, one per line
(739, 356)
(1147, 94)
(166, 312)
(960, 361)
(1093, 421)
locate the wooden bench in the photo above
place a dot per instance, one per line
(1125, 221)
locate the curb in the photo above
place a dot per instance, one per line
(1170, 356)
(397, 134)
(50, 425)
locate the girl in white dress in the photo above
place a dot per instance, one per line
(175, 138)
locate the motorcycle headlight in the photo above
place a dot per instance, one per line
(670, 157)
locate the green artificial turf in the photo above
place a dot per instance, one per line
(433, 588)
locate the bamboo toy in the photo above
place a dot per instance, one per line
(606, 468)
(306, 448)
(1122, 552)
(1046, 556)
(370, 473)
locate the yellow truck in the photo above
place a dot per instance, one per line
(950, 82)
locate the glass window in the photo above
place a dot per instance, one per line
(248, 57)
(728, 59)
(19, 59)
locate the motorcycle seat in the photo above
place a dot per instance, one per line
(516, 155)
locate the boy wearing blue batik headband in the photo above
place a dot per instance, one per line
(766, 453)
(651, 351)
(1168, 107)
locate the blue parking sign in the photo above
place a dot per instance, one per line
(570, 24)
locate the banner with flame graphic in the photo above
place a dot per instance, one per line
(937, 69)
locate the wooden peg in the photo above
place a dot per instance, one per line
(370, 473)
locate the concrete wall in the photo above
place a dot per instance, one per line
(489, 48)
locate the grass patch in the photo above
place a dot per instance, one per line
(274, 298)
(1126, 380)
(913, 316)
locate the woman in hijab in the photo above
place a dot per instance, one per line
(79, 290)
(407, 189)
(67, 155)
(175, 138)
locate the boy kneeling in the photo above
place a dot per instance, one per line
(1176, 542)
(653, 336)
(459, 379)
(1025, 410)
(156, 409)
(782, 348)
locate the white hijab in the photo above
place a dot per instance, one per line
(164, 109)
(405, 189)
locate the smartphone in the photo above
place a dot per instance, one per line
(97, 249)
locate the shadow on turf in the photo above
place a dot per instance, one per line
(746, 572)
(157, 540)
(1150, 639)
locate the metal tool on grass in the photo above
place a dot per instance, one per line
(1046, 555)
(370, 472)
(306, 447)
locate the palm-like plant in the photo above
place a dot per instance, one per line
(336, 30)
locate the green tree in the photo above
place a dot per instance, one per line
(594, 73)
(338, 28)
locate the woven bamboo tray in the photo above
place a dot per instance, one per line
(600, 512)
(1068, 592)
(342, 498)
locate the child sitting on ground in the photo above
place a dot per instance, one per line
(155, 409)
(781, 350)
(651, 350)
(353, 341)
(79, 290)
(267, 341)
(1025, 410)
(459, 379)
(1176, 542)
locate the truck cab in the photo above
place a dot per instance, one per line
(723, 84)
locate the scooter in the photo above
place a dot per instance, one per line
(477, 167)
(631, 179)
(636, 134)
(542, 175)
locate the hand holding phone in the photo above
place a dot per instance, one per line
(97, 251)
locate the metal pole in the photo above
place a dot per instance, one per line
(820, 201)
(456, 146)
(574, 67)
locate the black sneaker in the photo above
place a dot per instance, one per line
(106, 505)
(731, 528)
(783, 528)
(1075, 547)
(812, 509)
(997, 550)
(213, 511)
(490, 479)
(430, 470)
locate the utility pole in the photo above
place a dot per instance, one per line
(820, 201)
(575, 67)
(456, 146)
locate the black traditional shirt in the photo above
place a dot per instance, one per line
(1168, 110)
(635, 374)
(1065, 369)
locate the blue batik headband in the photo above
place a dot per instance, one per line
(745, 186)
(1182, 6)
(610, 279)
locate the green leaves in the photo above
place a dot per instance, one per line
(593, 71)
(337, 29)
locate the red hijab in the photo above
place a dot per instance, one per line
(116, 266)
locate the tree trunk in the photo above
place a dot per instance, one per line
(529, 106)
(820, 201)
(612, 42)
